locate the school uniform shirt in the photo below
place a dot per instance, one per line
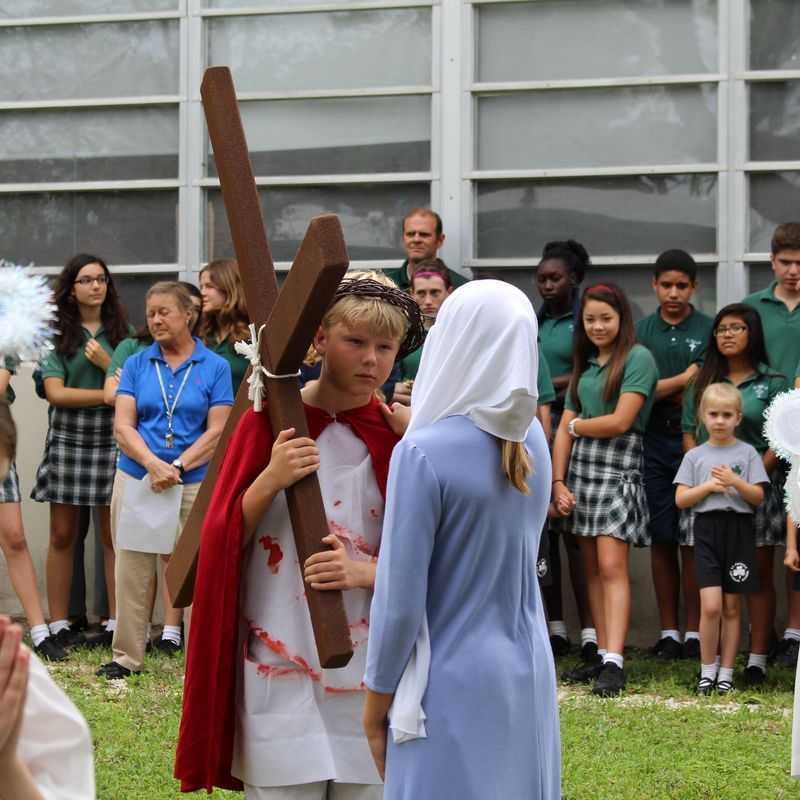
(675, 348)
(76, 370)
(236, 362)
(758, 391)
(10, 364)
(123, 351)
(555, 336)
(781, 329)
(640, 376)
(409, 366)
(741, 457)
(544, 381)
(208, 385)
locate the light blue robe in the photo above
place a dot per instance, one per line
(460, 544)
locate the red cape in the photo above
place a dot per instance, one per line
(205, 741)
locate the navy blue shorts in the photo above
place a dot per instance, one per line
(662, 456)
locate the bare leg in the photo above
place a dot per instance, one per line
(731, 628)
(710, 615)
(63, 528)
(762, 603)
(588, 548)
(20, 563)
(577, 576)
(612, 561)
(793, 601)
(104, 517)
(666, 581)
(691, 592)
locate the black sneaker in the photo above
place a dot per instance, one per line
(583, 673)
(705, 686)
(113, 671)
(559, 645)
(667, 649)
(50, 650)
(167, 646)
(589, 653)
(96, 639)
(610, 682)
(691, 648)
(787, 657)
(68, 638)
(80, 623)
(754, 676)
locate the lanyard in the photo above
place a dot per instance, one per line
(169, 438)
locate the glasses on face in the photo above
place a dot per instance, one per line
(101, 280)
(734, 329)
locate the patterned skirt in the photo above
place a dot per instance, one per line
(607, 478)
(769, 522)
(80, 457)
(9, 488)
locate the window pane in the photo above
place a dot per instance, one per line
(371, 216)
(17, 9)
(775, 121)
(589, 39)
(135, 227)
(622, 216)
(342, 49)
(774, 198)
(264, 3)
(132, 289)
(598, 127)
(62, 62)
(774, 43)
(349, 135)
(99, 144)
(761, 276)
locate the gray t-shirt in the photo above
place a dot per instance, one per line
(742, 458)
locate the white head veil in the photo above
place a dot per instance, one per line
(480, 360)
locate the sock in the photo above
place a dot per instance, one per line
(725, 674)
(757, 660)
(709, 671)
(148, 633)
(171, 633)
(111, 625)
(39, 633)
(601, 652)
(792, 633)
(691, 635)
(588, 635)
(58, 625)
(671, 634)
(557, 627)
(614, 658)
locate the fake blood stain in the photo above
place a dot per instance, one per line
(275, 553)
(358, 542)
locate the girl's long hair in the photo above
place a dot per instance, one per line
(516, 464)
(583, 348)
(112, 313)
(232, 318)
(715, 367)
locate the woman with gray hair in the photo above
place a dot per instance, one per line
(172, 403)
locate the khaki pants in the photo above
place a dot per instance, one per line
(324, 790)
(134, 573)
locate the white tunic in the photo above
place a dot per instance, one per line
(298, 723)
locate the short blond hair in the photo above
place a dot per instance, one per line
(379, 317)
(720, 393)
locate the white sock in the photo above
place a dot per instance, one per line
(171, 633)
(792, 633)
(111, 625)
(58, 625)
(557, 627)
(709, 671)
(725, 674)
(614, 658)
(601, 652)
(588, 635)
(39, 633)
(757, 660)
(671, 634)
(691, 635)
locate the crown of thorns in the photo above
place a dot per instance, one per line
(367, 287)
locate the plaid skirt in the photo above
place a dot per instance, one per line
(80, 458)
(607, 478)
(9, 488)
(769, 522)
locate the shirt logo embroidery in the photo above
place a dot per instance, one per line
(693, 344)
(739, 572)
(737, 469)
(541, 567)
(761, 391)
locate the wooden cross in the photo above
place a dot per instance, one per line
(292, 318)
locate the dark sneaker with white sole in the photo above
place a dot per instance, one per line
(610, 682)
(705, 686)
(724, 687)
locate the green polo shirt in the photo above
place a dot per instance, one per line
(555, 335)
(10, 364)
(76, 370)
(757, 391)
(781, 329)
(675, 348)
(544, 381)
(400, 277)
(409, 366)
(124, 350)
(237, 363)
(640, 376)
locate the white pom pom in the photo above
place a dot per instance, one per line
(27, 313)
(782, 425)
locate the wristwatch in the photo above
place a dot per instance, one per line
(571, 428)
(178, 464)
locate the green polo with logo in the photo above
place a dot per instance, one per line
(124, 350)
(758, 391)
(675, 348)
(400, 277)
(781, 329)
(640, 376)
(555, 335)
(10, 364)
(544, 381)
(237, 363)
(76, 370)
(409, 366)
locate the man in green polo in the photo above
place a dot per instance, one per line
(422, 238)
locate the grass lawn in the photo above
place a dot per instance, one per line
(658, 741)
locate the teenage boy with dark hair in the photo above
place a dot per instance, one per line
(676, 334)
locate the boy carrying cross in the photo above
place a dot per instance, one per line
(259, 711)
